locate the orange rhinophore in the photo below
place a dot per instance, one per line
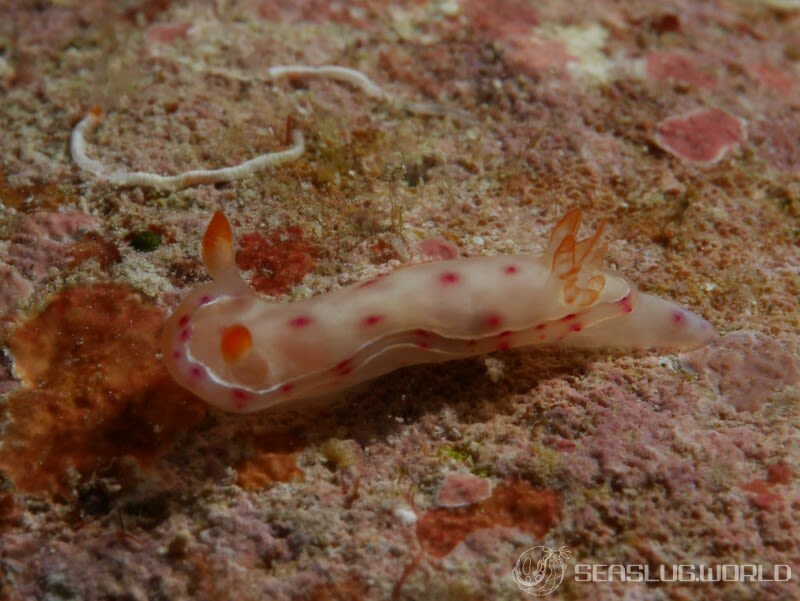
(218, 245)
(236, 342)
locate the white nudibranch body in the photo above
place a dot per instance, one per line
(241, 353)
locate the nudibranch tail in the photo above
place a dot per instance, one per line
(652, 322)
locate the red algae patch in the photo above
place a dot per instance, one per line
(512, 504)
(94, 390)
(280, 261)
(762, 496)
(459, 490)
(273, 459)
(702, 136)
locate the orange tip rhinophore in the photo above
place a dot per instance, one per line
(236, 343)
(218, 245)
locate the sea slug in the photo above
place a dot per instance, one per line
(240, 353)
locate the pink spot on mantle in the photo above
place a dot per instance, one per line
(678, 318)
(239, 398)
(371, 320)
(300, 322)
(511, 270)
(576, 327)
(183, 321)
(343, 367)
(448, 277)
(493, 320)
(702, 136)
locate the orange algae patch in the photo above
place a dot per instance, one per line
(280, 261)
(273, 459)
(38, 196)
(94, 390)
(93, 246)
(515, 504)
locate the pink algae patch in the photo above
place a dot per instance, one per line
(509, 24)
(702, 136)
(534, 56)
(166, 33)
(353, 14)
(747, 368)
(459, 490)
(438, 249)
(773, 79)
(94, 391)
(40, 240)
(513, 504)
(279, 261)
(776, 140)
(678, 67)
(501, 18)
